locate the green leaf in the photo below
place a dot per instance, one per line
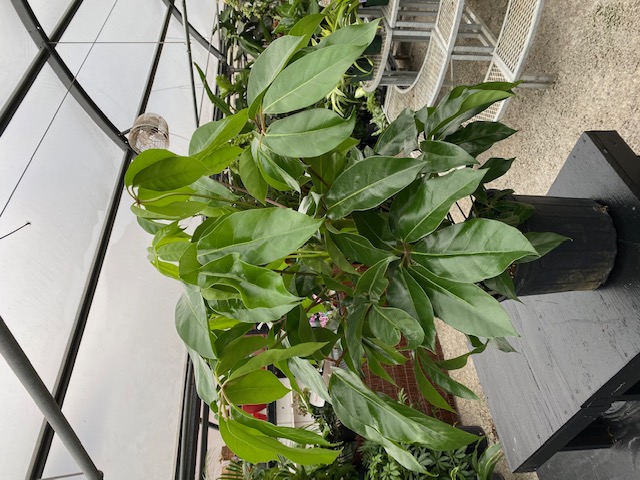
(238, 349)
(420, 208)
(325, 168)
(298, 435)
(213, 135)
(372, 416)
(235, 309)
(443, 156)
(375, 228)
(353, 335)
(495, 168)
(255, 447)
(465, 307)
(373, 282)
(399, 137)
(192, 322)
(272, 356)
(169, 173)
(251, 178)
(254, 388)
(472, 251)
(357, 248)
(429, 392)
(306, 27)
(219, 159)
(443, 380)
(406, 294)
(145, 160)
(188, 265)
(309, 79)
(543, 243)
(337, 256)
(305, 373)
(259, 287)
(259, 236)
(375, 366)
(502, 284)
(308, 133)
(271, 62)
(488, 461)
(360, 35)
(478, 137)
(205, 384)
(368, 183)
(172, 211)
(215, 99)
(388, 324)
(269, 168)
(461, 360)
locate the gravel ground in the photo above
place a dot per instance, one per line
(593, 49)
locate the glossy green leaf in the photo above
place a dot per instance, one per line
(309, 79)
(375, 228)
(373, 282)
(192, 322)
(399, 137)
(325, 168)
(420, 208)
(306, 26)
(169, 173)
(460, 361)
(254, 388)
(353, 335)
(172, 252)
(226, 338)
(272, 356)
(270, 170)
(235, 309)
(368, 183)
(259, 236)
(213, 135)
(259, 287)
(238, 349)
(251, 177)
(188, 265)
(543, 243)
(271, 62)
(388, 324)
(443, 380)
(472, 251)
(360, 35)
(406, 294)
(465, 307)
(478, 137)
(375, 367)
(255, 447)
(337, 256)
(357, 248)
(429, 392)
(443, 156)
(305, 373)
(171, 211)
(144, 160)
(308, 133)
(298, 435)
(364, 412)
(495, 168)
(205, 383)
(488, 461)
(502, 284)
(219, 159)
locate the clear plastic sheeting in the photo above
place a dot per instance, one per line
(16, 58)
(64, 194)
(125, 393)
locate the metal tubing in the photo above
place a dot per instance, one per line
(21, 366)
(187, 39)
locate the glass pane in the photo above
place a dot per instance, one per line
(64, 195)
(125, 394)
(114, 71)
(48, 12)
(171, 95)
(16, 52)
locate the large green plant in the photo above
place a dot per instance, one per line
(309, 222)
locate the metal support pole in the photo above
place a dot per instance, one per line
(21, 366)
(185, 24)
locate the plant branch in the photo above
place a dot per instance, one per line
(240, 189)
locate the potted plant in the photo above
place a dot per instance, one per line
(307, 219)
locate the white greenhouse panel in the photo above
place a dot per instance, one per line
(64, 194)
(201, 15)
(48, 12)
(125, 393)
(16, 51)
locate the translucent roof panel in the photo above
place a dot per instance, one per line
(48, 12)
(126, 41)
(201, 16)
(16, 59)
(126, 389)
(67, 184)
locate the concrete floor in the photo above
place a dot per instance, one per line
(593, 49)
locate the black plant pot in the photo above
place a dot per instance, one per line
(584, 263)
(482, 445)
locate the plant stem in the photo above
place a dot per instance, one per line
(240, 189)
(200, 195)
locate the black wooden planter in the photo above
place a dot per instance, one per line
(584, 263)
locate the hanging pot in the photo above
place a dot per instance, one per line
(584, 262)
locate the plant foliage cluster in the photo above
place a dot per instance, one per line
(308, 219)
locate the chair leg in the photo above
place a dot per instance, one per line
(537, 81)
